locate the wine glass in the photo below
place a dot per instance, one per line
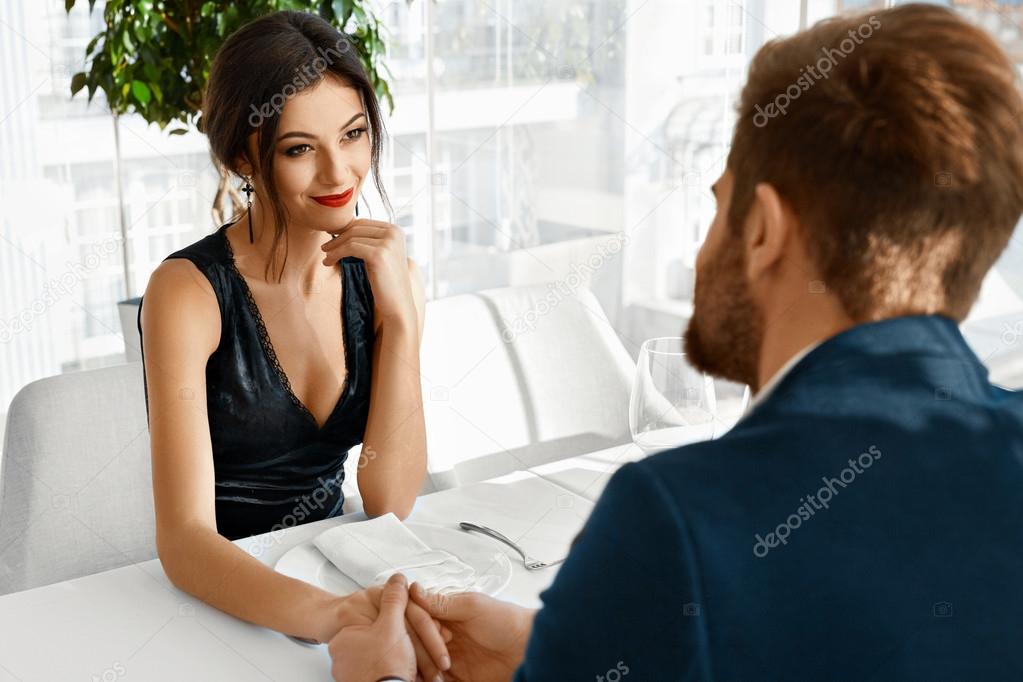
(672, 403)
(730, 402)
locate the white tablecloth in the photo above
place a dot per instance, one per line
(131, 623)
(587, 475)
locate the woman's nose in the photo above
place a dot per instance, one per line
(336, 170)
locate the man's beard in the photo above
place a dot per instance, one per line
(726, 330)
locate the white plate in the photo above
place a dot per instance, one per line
(308, 564)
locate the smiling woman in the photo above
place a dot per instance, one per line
(276, 90)
(257, 386)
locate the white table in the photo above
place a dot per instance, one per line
(587, 475)
(131, 623)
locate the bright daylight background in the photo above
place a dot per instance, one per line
(538, 131)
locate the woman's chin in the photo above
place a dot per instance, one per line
(330, 220)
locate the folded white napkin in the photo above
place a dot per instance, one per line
(369, 552)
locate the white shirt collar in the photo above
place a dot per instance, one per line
(773, 382)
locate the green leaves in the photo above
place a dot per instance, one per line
(153, 57)
(342, 10)
(78, 80)
(141, 92)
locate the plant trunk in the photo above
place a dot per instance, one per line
(227, 193)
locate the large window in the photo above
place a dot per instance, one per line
(528, 137)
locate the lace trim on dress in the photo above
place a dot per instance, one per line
(264, 336)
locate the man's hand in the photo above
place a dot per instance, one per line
(428, 640)
(382, 649)
(488, 636)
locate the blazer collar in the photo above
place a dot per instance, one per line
(934, 336)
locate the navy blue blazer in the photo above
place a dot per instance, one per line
(865, 522)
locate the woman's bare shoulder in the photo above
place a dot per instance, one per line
(180, 301)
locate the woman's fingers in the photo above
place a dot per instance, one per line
(366, 249)
(429, 635)
(445, 634)
(377, 237)
(356, 222)
(357, 231)
(444, 607)
(424, 662)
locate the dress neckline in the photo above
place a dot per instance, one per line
(267, 345)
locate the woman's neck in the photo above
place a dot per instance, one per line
(304, 268)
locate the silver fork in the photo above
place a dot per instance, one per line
(531, 563)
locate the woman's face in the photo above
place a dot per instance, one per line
(322, 151)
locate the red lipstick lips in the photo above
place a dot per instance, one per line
(335, 200)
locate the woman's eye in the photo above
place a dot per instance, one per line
(354, 134)
(293, 151)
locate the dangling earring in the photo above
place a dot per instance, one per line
(248, 195)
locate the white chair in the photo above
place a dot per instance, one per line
(511, 378)
(76, 492)
(998, 342)
(517, 377)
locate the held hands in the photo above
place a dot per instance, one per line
(382, 246)
(385, 633)
(365, 644)
(380, 649)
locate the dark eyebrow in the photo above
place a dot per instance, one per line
(299, 133)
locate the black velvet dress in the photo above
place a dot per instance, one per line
(275, 467)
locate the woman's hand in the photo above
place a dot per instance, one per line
(381, 648)
(382, 246)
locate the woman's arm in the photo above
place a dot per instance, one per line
(393, 461)
(205, 564)
(181, 329)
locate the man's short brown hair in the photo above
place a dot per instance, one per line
(897, 138)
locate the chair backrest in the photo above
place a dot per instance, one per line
(517, 377)
(76, 492)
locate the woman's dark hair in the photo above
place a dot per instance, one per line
(256, 70)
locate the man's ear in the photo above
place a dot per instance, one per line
(768, 228)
